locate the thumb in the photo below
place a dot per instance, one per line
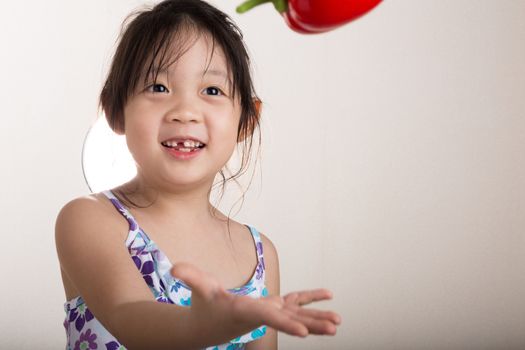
(200, 282)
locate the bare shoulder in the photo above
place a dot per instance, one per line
(83, 215)
(74, 213)
(79, 208)
(90, 241)
(85, 206)
(270, 252)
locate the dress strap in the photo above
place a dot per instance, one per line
(258, 242)
(133, 225)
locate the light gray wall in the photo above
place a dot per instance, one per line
(393, 169)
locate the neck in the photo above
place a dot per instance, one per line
(185, 207)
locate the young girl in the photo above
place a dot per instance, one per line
(151, 264)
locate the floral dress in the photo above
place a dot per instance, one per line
(84, 331)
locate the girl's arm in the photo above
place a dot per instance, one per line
(271, 262)
(91, 250)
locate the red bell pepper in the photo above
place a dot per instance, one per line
(315, 16)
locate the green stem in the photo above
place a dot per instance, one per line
(280, 5)
(248, 5)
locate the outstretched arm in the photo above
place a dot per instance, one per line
(222, 316)
(93, 255)
(285, 314)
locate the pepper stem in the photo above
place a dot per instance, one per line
(280, 5)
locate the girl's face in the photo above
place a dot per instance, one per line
(186, 103)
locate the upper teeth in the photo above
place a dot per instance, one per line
(186, 143)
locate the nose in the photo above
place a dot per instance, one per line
(184, 110)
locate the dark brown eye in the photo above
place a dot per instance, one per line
(157, 88)
(212, 90)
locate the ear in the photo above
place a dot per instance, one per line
(258, 109)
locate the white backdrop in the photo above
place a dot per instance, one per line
(392, 170)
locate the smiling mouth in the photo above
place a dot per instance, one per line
(184, 146)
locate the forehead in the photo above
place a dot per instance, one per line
(191, 49)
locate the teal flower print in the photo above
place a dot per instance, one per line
(185, 302)
(258, 333)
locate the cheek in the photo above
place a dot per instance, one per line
(224, 136)
(139, 121)
(141, 135)
(224, 124)
(137, 133)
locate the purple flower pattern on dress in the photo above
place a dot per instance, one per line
(86, 341)
(114, 345)
(259, 271)
(125, 213)
(154, 266)
(163, 299)
(146, 268)
(80, 316)
(260, 265)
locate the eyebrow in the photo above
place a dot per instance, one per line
(216, 72)
(219, 73)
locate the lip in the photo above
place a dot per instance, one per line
(183, 138)
(182, 155)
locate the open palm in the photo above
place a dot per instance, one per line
(215, 309)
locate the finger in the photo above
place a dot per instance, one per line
(272, 314)
(320, 315)
(316, 326)
(281, 321)
(309, 296)
(199, 281)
